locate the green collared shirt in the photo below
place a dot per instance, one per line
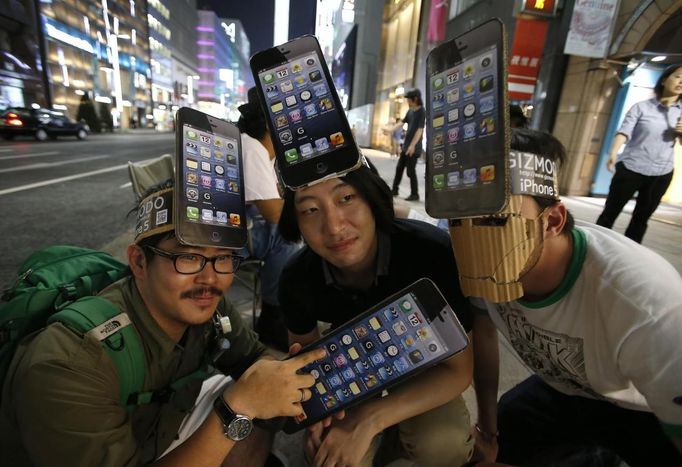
(60, 400)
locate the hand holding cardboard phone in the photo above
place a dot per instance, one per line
(403, 335)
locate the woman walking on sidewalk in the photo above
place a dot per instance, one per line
(650, 129)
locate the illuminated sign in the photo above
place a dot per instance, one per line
(348, 11)
(227, 76)
(230, 30)
(539, 7)
(525, 56)
(67, 38)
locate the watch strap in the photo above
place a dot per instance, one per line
(231, 421)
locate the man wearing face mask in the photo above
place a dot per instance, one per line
(594, 315)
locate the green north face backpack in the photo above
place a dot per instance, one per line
(59, 283)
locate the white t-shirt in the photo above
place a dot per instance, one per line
(259, 171)
(612, 330)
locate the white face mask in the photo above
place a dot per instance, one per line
(493, 253)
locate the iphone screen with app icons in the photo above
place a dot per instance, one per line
(463, 105)
(311, 135)
(408, 332)
(466, 125)
(211, 181)
(302, 110)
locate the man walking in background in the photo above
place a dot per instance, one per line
(412, 148)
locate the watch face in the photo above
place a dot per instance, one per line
(239, 428)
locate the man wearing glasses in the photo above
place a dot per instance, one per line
(60, 401)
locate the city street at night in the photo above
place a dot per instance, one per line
(399, 233)
(78, 192)
(68, 191)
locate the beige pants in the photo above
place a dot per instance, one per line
(439, 437)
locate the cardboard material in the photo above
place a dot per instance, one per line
(147, 174)
(155, 215)
(489, 263)
(155, 211)
(533, 175)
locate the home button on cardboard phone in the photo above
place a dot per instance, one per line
(215, 236)
(321, 167)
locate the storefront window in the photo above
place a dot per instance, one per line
(458, 6)
(399, 45)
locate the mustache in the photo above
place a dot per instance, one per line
(202, 292)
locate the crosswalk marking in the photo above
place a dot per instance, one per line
(47, 165)
(25, 156)
(53, 181)
(62, 179)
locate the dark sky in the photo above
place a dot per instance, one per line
(257, 18)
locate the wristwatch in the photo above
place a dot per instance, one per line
(235, 426)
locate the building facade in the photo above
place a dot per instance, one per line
(398, 65)
(160, 46)
(101, 49)
(222, 57)
(237, 72)
(21, 70)
(183, 23)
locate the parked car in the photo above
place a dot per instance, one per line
(39, 123)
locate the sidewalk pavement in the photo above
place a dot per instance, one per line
(664, 236)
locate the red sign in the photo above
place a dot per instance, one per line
(524, 60)
(539, 7)
(438, 16)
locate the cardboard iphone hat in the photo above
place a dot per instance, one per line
(153, 183)
(493, 252)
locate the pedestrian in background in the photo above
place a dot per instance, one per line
(650, 129)
(397, 138)
(412, 148)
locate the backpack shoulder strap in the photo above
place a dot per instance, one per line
(101, 319)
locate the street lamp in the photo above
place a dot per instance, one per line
(112, 42)
(118, 91)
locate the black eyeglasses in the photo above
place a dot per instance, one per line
(192, 263)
